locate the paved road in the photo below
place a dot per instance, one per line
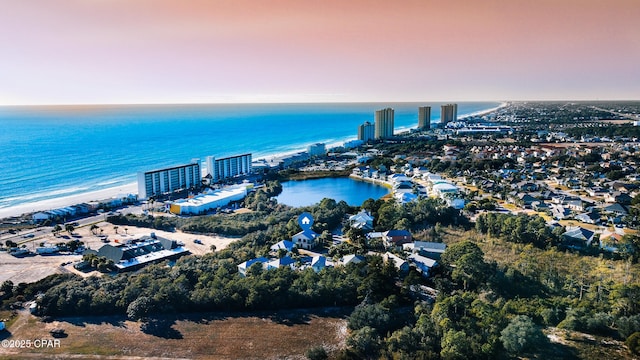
(30, 235)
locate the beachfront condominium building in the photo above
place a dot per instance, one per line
(163, 181)
(384, 124)
(317, 149)
(228, 167)
(424, 117)
(366, 131)
(448, 113)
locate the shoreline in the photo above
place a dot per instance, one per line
(59, 202)
(27, 208)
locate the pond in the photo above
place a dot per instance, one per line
(308, 192)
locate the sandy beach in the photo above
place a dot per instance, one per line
(60, 202)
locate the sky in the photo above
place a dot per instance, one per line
(219, 51)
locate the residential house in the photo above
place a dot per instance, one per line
(400, 264)
(578, 237)
(540, 206)
(242, 268)
(319, 262)
(281, 262)
(432, 250)
(305, 239)
(362, 220)
(591, 217)
(618, 197)
(422, 263)
(396, 238)
(283, 245)
(405, 197)
(611, 241)
(616, 209)
(525, 200)
(560, 212)
(352, 259)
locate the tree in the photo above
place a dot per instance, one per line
(365, 341)
(317, 353)
(69, 228)
(456, 346)
(139, 309)
(521, 335)
(466, 260)
(56, 230)
(7, 287)
(94, 229)
(115, 228)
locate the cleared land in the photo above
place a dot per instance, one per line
(287, 334)
(33, 268)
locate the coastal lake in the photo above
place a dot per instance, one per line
(308, 192)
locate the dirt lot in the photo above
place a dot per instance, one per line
(284, 335)
(33, 268)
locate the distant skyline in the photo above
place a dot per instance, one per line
(226, 51)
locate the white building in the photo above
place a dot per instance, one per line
(161, 181)
(228, 167)
(366, 132)
(209, 200)
(317, 149)
(305, 239)
(384, 123)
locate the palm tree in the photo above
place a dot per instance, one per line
(94, 229)
(115, 228)
(126, 231)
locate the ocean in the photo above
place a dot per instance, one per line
(48, 152)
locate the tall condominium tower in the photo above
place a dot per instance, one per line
(424, 117)
(366, 131)
(162, 181)
(384, 124)
(224, 168)
(448, 113)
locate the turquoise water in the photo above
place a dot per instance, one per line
(309, 192)
(51, 152)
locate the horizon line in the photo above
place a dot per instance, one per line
(304, 102)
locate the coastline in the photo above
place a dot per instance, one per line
(55, 203)
(23, 209)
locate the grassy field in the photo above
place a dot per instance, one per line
(211, 336)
